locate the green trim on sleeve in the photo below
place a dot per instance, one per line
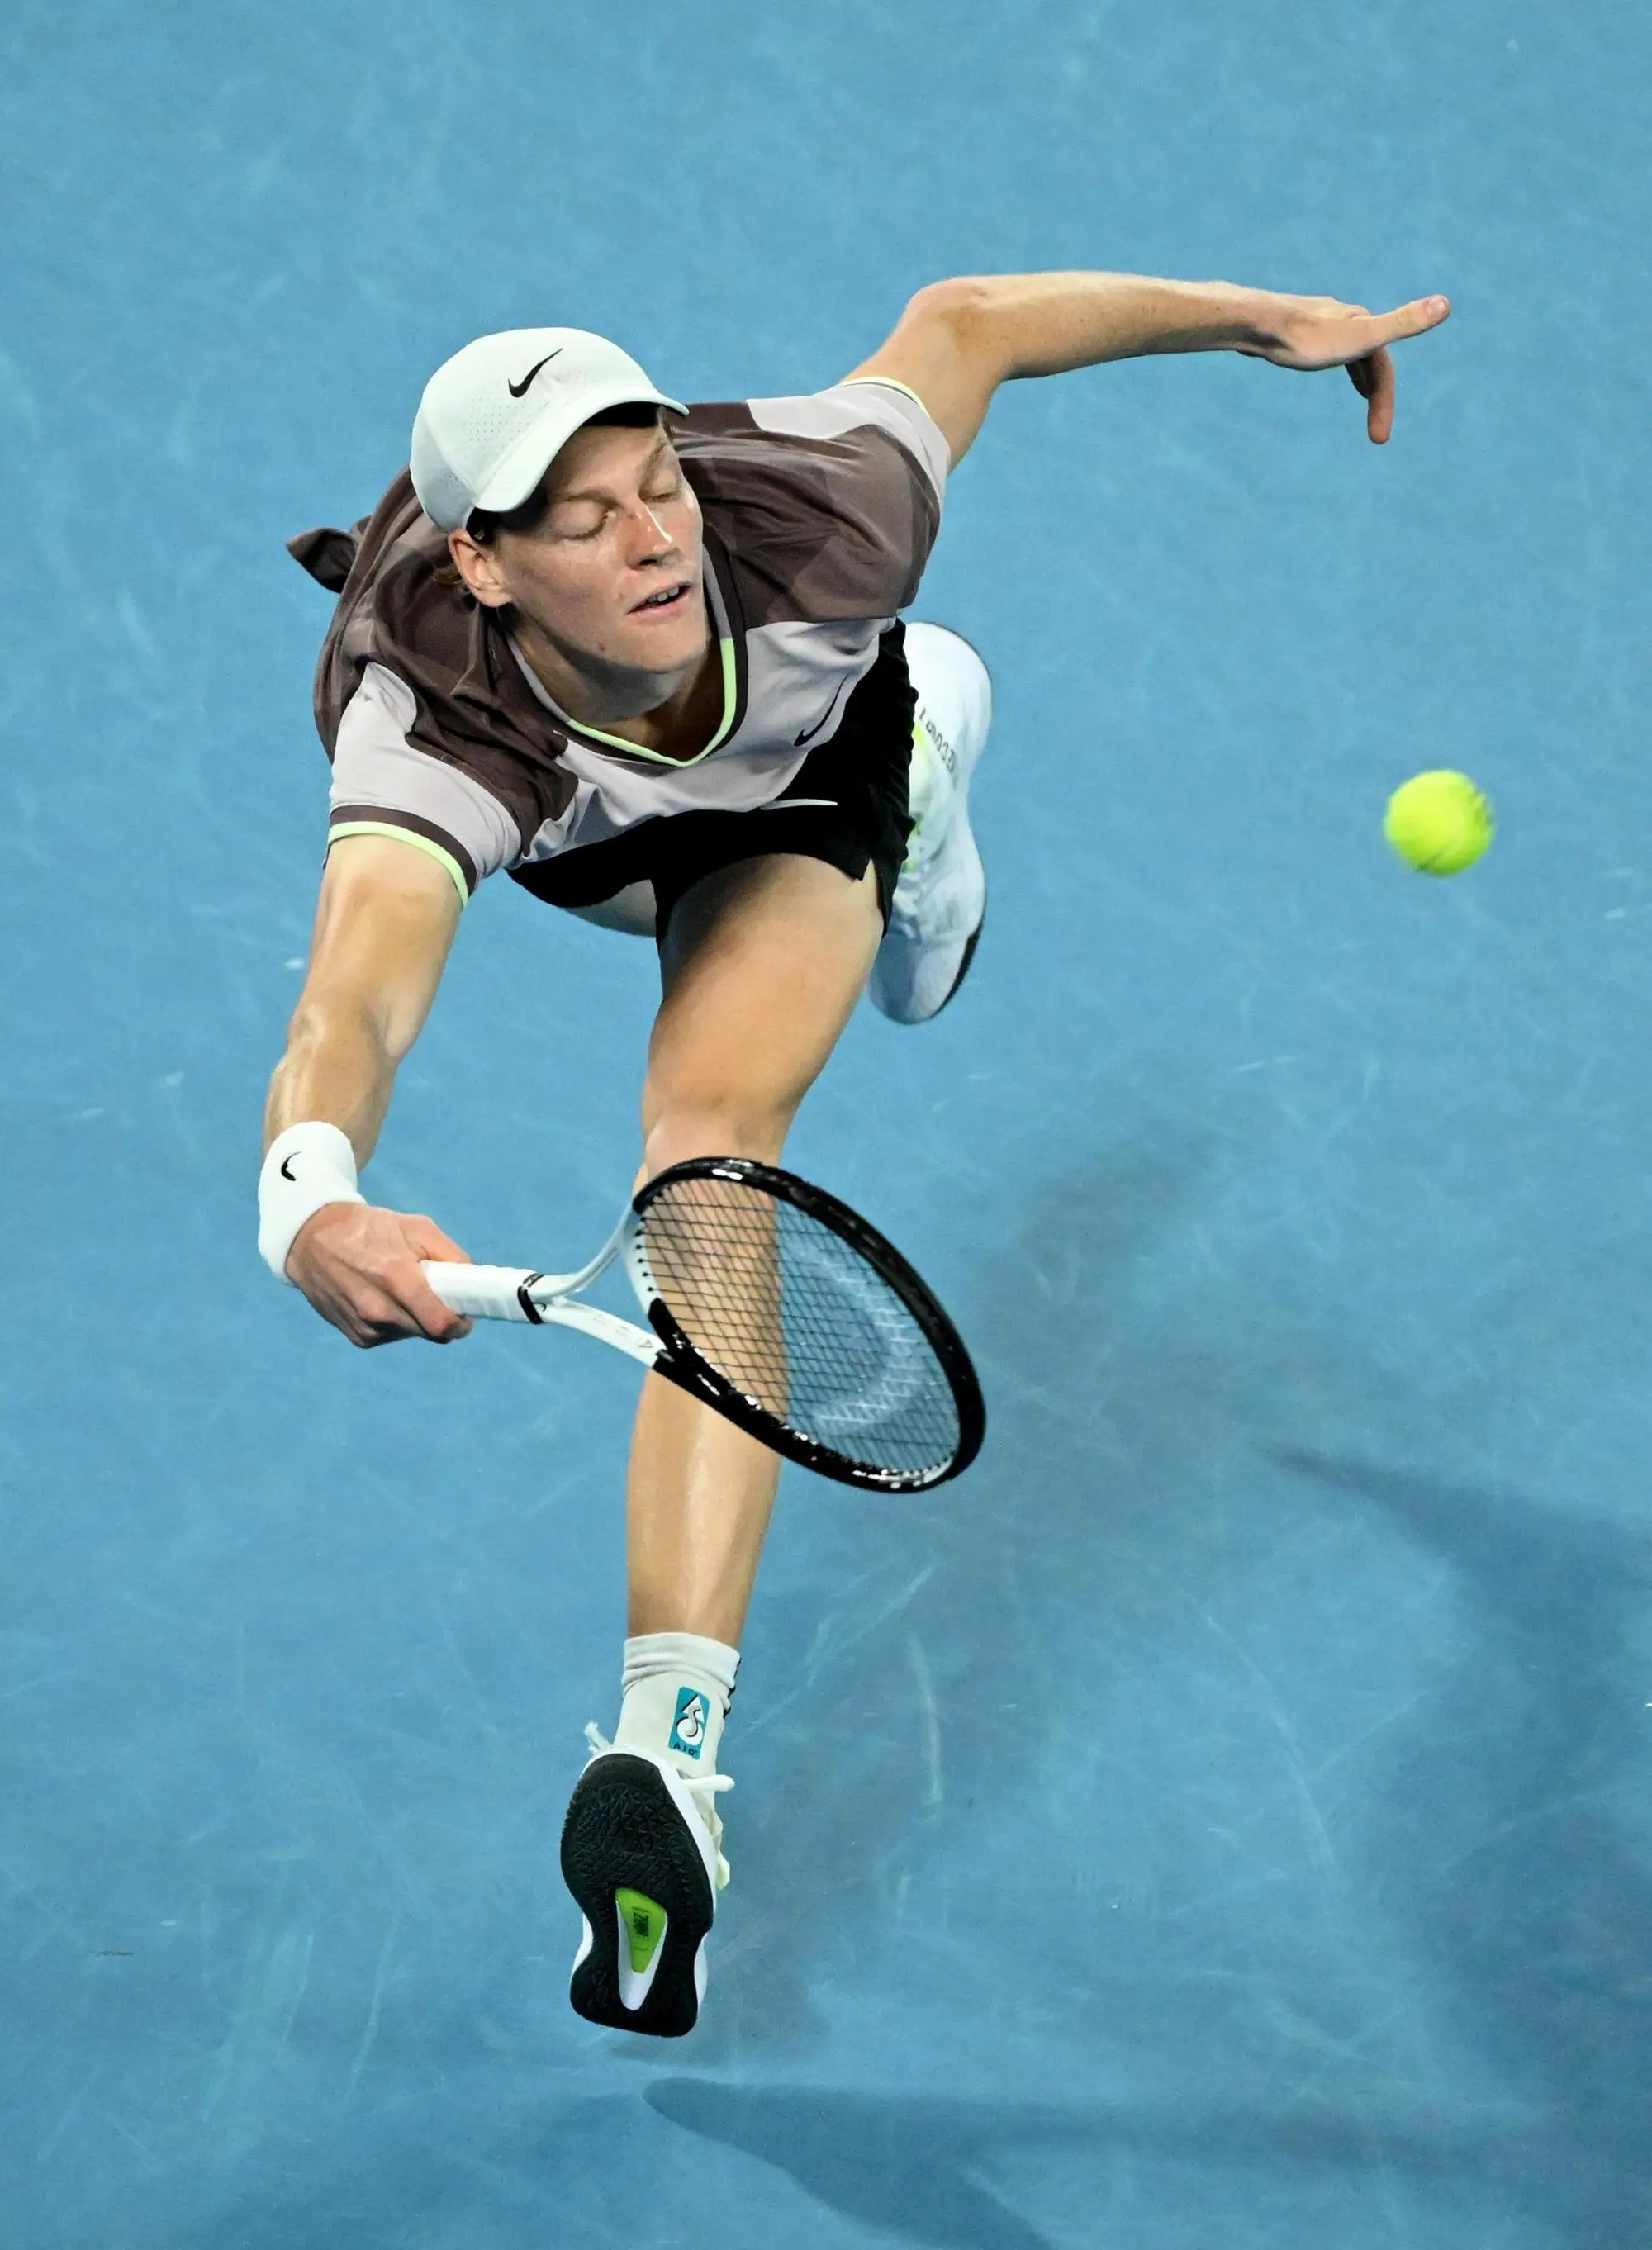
(404, 836)
(890, 384)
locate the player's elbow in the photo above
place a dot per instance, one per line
(959, 332)
(964, 306)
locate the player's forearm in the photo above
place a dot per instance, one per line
(957, 341)
(339, 1067)
(384, 924)
(1029, 324)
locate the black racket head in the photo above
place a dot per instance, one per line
(785, 1310)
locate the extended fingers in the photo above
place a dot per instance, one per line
(1372, 374)
(1413, 319)
(1373, 378)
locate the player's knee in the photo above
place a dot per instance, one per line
(748, 1128)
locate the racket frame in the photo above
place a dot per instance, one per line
(682, 1363)
(549, 1299)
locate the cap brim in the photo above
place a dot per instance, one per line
(519, 472)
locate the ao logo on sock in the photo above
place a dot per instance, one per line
(688, 1728)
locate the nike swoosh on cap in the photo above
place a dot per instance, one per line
(520, 389)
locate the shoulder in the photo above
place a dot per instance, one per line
(831, 500)
(413, 671)
(859, 425)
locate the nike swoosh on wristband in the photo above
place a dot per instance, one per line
(520, 389)
(285, 1175)
(809, 733)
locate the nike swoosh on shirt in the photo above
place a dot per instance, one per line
(520, 389)
(809, 733)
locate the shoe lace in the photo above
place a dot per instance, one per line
(704, 1788)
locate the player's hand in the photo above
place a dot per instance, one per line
(360, 1268)
(1317, 332)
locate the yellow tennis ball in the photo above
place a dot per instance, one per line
(1439, 823)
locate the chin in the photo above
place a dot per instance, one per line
(666, 648)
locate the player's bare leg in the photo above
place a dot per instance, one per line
(763, 965)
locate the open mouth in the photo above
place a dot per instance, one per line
(662, 604)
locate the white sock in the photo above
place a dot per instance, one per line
(675, 1693)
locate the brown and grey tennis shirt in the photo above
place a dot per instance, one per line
(819, 514)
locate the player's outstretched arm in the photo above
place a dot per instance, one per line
(384, 927)
(959, 339)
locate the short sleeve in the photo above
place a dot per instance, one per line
(899, 409)
(865, 402)
(382, 785)
(828, 503)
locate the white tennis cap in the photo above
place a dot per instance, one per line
(496, 415)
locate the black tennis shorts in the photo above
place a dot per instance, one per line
(862, 773)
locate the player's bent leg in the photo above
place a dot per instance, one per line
(940, 900)
(763, 965)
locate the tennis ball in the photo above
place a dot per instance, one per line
(1439, 823)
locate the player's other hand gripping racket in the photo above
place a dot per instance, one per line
(778, 1306)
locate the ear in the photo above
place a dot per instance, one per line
(478, 567)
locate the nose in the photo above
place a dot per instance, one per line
(648, 541)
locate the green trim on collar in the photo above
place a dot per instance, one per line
(581, 732)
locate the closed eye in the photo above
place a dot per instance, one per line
(659, 498)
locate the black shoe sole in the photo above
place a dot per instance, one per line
(624, 1832)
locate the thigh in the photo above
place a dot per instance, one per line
(762, 965)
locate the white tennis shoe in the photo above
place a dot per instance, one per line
(642, 1853)
(940, 899)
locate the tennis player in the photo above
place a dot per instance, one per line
(647, 660)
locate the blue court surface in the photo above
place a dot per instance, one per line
(1217, 1823)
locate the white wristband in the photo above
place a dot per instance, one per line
(307, 1167)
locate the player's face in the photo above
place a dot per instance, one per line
(614, 567)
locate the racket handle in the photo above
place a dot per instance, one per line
(483, 1293)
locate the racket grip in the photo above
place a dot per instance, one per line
(483, 1293)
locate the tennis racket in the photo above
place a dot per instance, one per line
(769, 1300)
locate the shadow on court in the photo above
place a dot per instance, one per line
(1117, 1492)
(1497, 1838)
(1143, 1457)
(914, 2167)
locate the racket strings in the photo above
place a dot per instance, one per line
(801, 1322)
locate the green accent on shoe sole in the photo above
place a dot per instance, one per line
(645, 1925)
